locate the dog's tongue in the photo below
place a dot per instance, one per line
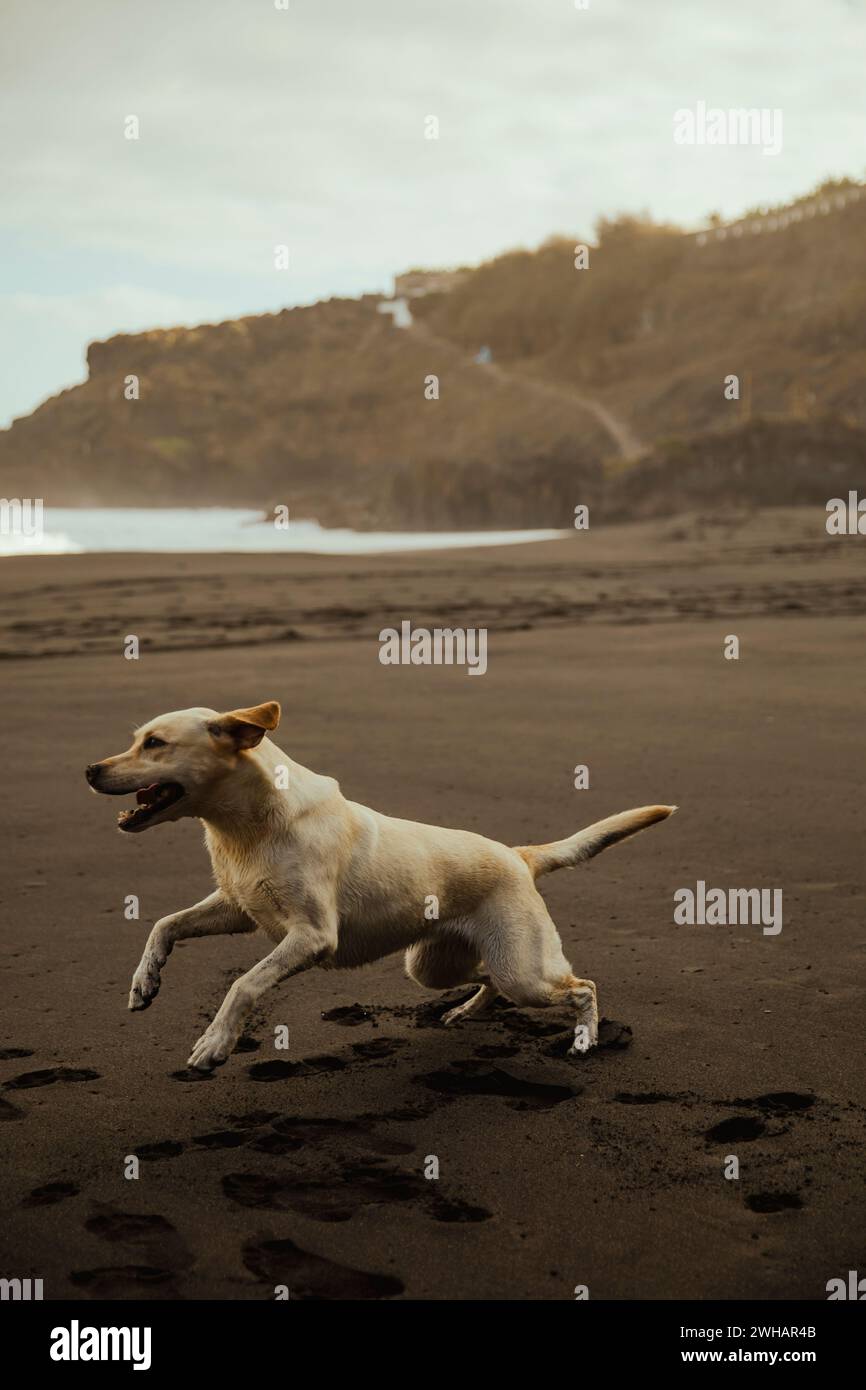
(145, 794)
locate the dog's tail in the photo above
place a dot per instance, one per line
(567, 854)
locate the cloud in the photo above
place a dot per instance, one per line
(306, 127)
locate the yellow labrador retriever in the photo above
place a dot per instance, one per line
(335, 884)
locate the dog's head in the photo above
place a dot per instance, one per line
(177, 760)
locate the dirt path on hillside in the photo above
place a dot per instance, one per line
(625, 439)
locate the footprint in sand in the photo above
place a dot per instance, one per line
(654, 1097)
(458, 1212)
(28, 1079)
(125, 1281)
(158, 1254)
(221, 1139)
(737, 1129)
(300, 1133)
(351, 1015)
(339, 1169)
(774, 1102)
(379, 1047)
(357, 1176)
(771, 1105)
(766, 1202)
(50, 1193)
(372, 1051)
(473, 1078)
(403, 1114)
(335, 1198)
(612, 1037)
(309, 1276)
(281, 1071)
(252, 1119)
(163, 1148)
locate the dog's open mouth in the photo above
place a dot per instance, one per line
(157, 797)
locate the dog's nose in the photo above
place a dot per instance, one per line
(92, 772)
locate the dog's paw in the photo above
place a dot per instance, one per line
(212, 1049)
(585, 1038)
(586, 1029)
(145, 985)
(453, 1016)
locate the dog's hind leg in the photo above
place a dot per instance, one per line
(213, 916)
(307, 942)
(524, 956)
(582, 994)
(444, 960)
(479, 1003)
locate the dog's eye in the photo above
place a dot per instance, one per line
(153, 742)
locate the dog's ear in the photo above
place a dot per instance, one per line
(246, 727)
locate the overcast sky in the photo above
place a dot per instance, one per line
(306, 127)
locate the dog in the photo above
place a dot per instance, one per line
(335, 884)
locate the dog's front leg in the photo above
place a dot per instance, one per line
(306, 943)
(213, 916)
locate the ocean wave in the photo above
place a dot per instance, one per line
(86, 530)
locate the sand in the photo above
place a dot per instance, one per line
(307, 1167)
